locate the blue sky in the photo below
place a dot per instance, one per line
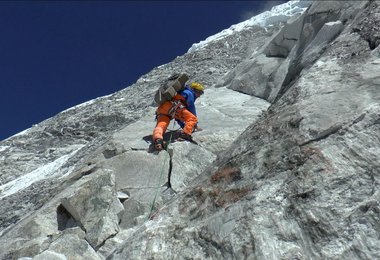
(57, 54)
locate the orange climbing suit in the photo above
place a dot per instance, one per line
(177, 110)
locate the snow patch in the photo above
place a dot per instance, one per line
(51, 169)
(279, 13)
(3, 148)
(19, 134)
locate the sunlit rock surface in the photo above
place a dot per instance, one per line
(286, 167)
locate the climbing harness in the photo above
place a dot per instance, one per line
(176, 105)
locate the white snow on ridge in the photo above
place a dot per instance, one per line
(3, 148)
(46, 171)
(87, 103)
(18, 134)
(84, 104)
(279, 13)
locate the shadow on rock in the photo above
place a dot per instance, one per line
(169, 137)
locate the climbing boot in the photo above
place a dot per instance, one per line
(158, 144)
(185, 137)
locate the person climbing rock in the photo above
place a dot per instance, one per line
(181, 108)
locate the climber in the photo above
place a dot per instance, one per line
(182, 109)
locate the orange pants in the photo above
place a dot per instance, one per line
(163, 120)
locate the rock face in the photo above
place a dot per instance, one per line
(287, 166)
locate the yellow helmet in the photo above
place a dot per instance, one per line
(197, 86)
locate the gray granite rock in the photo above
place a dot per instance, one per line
(71, 247)
(296, 178)
(299, 183)
(95, 207)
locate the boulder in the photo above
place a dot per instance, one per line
(69, 246)
(297, 45)
(96, 207)
(188, 162)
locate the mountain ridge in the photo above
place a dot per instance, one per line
(286, 167)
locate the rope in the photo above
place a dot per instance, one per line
(161, 173)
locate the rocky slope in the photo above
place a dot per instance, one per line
(287, 166)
